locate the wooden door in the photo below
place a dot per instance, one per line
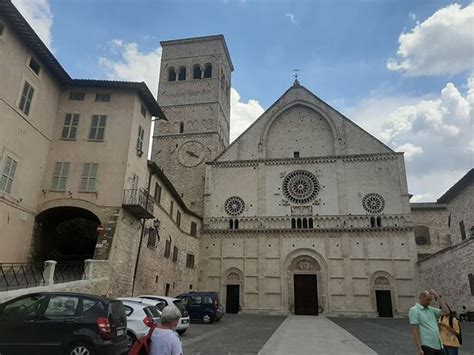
(306, 294)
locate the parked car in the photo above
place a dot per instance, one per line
(203, 306)
(142, 314)
(164, 301)
(62, 323)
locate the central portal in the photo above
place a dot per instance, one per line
(306, 294)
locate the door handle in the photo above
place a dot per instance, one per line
(29, 321)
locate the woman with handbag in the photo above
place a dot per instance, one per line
(450, 333)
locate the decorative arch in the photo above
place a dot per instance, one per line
(276, 116)
(382, 280)
(304, 261)
(232, 276)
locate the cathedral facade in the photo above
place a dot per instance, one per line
(304, 213)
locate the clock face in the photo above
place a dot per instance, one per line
(191, 154)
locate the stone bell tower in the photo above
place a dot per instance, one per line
(194, 93)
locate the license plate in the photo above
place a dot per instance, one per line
(120, 332)
(185, 321)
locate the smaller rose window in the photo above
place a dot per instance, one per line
(234, 205)
(373, 203)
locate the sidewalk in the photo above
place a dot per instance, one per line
(313, 335)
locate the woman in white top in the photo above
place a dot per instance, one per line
(164, 341)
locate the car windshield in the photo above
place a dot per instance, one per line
(180, 306)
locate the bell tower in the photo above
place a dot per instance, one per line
(194, 93)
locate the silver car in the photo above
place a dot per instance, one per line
(141, 315)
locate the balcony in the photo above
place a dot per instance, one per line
(138, 203)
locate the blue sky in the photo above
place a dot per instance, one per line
(403, 70)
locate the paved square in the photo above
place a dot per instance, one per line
(392, 336)
(234, 334)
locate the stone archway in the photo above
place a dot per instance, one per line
(383, 298)
(233, 290)
(305, 262)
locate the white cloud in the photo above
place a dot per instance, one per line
(412, 16)
(442, 44)
(128, 63)
(242, 114)
(39, 16)
(436, 133)
(291, 17)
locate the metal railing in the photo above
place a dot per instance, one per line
(69, 271)
(138, 197)
(15, 276)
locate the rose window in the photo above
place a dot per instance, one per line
(234, 205)
(300, 186)
(373, 203)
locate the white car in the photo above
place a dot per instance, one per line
(176, 302)
(141, 315)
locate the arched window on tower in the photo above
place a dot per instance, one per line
(293, 223)
(171, 74)
(311, 223)
(298, 223)
(236, 224)
(422, 235)
(182, 74)
(379, 221)
(208, 70)
(305, 223)
(372, 222)
(197, 72)
(231, 224)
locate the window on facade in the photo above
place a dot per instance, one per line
(178, 218)
(471, 283)
(182, 74)
(379, 221)
(462, 230)
(181, 127)
(102, 97)
(140, 137)
(143, 110)
(77, 95)
(97, 130)
(193, 228)
(296, 154)
(190, 261)
(208, 70)
(372, 222)
(151, 243)
(26, 98)
(422, 235)
(171, 208)
(172, 74)
(175, 254)
(60, 174)
(167, 248)
(8, 175)
(197, 73)
(167, 290)
(71, 122)
(157, 194)
(89, 177)
(35, 66)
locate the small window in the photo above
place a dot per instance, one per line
(97, 130)
(175, 254)
(151, 238)
(61, 171)
(190, 286)
(197, 73)
(193, 229)
(167, 290)
(26, 98)
(8, 175)
(77, 95)
(182, 74)
(422, 235)
(140, 138)
(293, 223)
(2, 29)
(471, 283)
(462, 230)
(178, 218)
(181, 127)
(167, 248)
(171, 208)
(71, 123)
(61, 306)
(296, 154)
(102, 97)
(143, 110)
(172, 74)
(35, 66)
(89, 177)
(190, 261)
(157, 194)
(208, 70)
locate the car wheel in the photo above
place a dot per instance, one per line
(181, 331)
(131, 339)
(206, 319)
(80, 349)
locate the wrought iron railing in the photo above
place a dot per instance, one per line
(14, 276)
(139, 198)
(69, 271)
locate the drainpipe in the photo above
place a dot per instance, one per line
(141, 234)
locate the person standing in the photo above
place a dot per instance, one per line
(450, 332)
(164, 340)
(424, 322)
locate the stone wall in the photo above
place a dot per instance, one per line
(447, 272)
(461, 208)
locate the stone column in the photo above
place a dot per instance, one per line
(48, 273)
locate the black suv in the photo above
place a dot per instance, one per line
(203, 306)
(62, 323)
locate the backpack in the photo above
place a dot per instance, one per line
(459, 336)
(142, 345)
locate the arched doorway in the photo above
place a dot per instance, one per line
(233, 290)
(65, 234)
(383, 294)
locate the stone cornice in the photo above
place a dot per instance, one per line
(295, 232)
